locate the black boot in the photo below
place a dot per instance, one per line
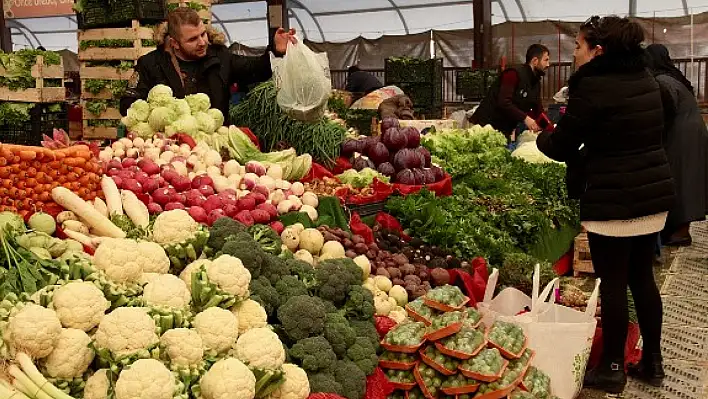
(609, 377)
(650, 370)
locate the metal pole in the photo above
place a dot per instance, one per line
(692, 49)
(653, 27)
(5, 36)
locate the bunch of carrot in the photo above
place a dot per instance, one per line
(28, 175)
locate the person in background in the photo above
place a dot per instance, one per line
(360, 83)
(516, 95)
(686, 144)
(623, 180)
(192, 58)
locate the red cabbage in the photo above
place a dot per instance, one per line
(386, 169)
(406, 176)
(405, 159)
(369, 143)
(350, 146)
(419, 176)
(426, 156)
(413, 136)
(438, 172)
(388, 123)
(394, 139)
(362, 162)
(379, 153)
(429, 176)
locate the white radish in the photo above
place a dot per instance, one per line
(285, 206)
(110, 191)
(231, 167)
(275, 171)
(101, 206)
(174, 148)
(75, 225)
(234, 180)
(185, 150)
(83, 210)
(212, 158)
(127, 143)
(136, 210)
(105, 155)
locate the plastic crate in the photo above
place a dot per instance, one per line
(426, 97)
(474, 84)
(412, 70)
(366, 210)
(120, 13)
(42, 121)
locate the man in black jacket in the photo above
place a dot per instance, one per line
(516, 95)
(193, 59)
(360, 83)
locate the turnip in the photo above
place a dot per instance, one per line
(275, 172)
(118, 180)
(268, 182)
(105, 155)
(202, 180)
(149, 167)
(251, 176)
(285, 206)
(198, 214)
(169, 174)
(194, 198)
(234, 181)
(185, 150)
(199, 167)
(174, 205)
(228, 196)
(192, 160)
(276, 197)
(282, 184)
(212, 202)
(179, 197)
(231, 168)
(126, 174)
(215, 215)
(141, 176)
(297, 188)
(255, 167)
(212, 158)
(154, 208)
(247, 203)
(310, 198)
(181, 183)
(221, 183)
(132, 153)
(180, 167)
(213, 171)
(115, 164)
(152, 153)
(297, 204)
(179, 158)
(117, 145)
(167, 156)
(134, 169)
(163, 195)
(230, 210)
(311, 212)
(162, 182)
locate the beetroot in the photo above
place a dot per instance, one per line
(406, 159)
(379, 153)
(174, 205)
(230, 210)
(386, 169)
(350, 146)
(270, 208)
(198, 214)
(247, 203)
(438, 172)
(428, 176)
(260, 216)
(426, 156)
(394, 139)
(419, 176)
(362, 162)
(215, 215)
(388, 123)
(413, 137)
(245, 218)
(181, 183)
(405, 176)
(211, 203)
(154, 208)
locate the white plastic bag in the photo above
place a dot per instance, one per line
(303, 82)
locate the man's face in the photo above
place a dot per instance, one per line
(192, 43)
(541, 65)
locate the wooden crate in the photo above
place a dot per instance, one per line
(203, 14)
(39, 94)
(136, 33)
(582, 262)
(94, 133)
(102, 73)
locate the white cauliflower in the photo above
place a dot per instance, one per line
(229, 274)
(186, 274)
(295, 386)
(167, 291)
(148, 278)
(129, 272)
(218, 328)
(173, 227)
(153, 257)
(250, 315)
(80, 305)
(71, 356)
(228, 379)
(145, 379)
(184, 346)
(126, 331)
(113, 253)
(260, 347)
(34, 330)
(97, 385)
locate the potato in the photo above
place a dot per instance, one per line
(394, 272)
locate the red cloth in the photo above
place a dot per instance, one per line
(565, 264)
(467, 282)
(381, 192)
(441, 188)
(384, 324)
(251, 136)
(509, 82)
(377, 386)
(341, 165)
(389, 222)
(317, 171)
(360, 228)
(632, 355)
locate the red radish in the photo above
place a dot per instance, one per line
(134, 168)
(202, 180)
(132, 185)
(163, 195)
(260, 216)
(255, 167)
(214, 215)
(211, 203)
(178, 158)
(169, 174)
(227, 197)
(149, 167)
(144, 198)
(174, 205)
(245, 218)
(113, 172)
(195, 198)
(247, 203)
(141, 177)
(179, 197)
(277, 226)
(262, 190)
(129, 162)
(248, 183)
(198, 214)
(118, 181)
(270, 208)
(181, 183)
(154, 208)
(150, 185)
(206, 190)
(115, 164)
(260, 198)
(230, 210)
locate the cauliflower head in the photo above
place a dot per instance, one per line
(184, 346)
(260, 347)
(34, 330)
(71, 356)
(160, 95)
(199, 102)
(250, 315)
(229, 274)
(167, 290)
(205, 122)
(117, 258)
(139, 110)
(145, 379)
(218, 328)
(153, 257)
(180, 107)
(126, 331)
(228, 379)
(295, 386)
(97, 385)
(186, 274)
(173, 227)
(80, 305)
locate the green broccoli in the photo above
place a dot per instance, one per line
(274, 268)
(339, 333)
(290, 286)
(360, 303)
(286, 254)
(363, 353)
(222, 230)
(267, 238)
(302, 316)
(366, 329)
(314, 354)
(334, 277)
(264, 293)
(303, 270)
(248, 251)
(352, 379)
(324, 382)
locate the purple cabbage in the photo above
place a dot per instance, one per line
(413, 137)
(406, 176)
(362, 162)
(426, 156)
(386, 169)
(394, 139)
(379, 153)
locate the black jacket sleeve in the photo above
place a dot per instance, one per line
(246, 71)
(138, 87)
(669, 101)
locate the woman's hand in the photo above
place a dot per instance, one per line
(282, 38)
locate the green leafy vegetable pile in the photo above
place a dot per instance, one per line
(16, 67)
(116, 87)
(15, 114)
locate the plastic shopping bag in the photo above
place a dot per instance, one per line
(303, 82)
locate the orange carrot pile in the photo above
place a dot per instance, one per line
(28, 175)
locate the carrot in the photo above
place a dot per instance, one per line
(31, 182)
(62, 179)
(59, 155)
(86, 155)
(27, 155)
(73, 176)
(44, 196)
(31, 172)
(16, 159)
(3, 161)
(4, 172)
(54, 164)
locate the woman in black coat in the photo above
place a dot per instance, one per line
(623, 180)
(686, 144)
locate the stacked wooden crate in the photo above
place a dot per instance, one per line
(89, 57)
(203, 7)
(582, 261)
(40, 93)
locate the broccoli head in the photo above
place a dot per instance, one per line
(334, 277)
(363, 353)
(273, 268)
(222, 230)
(302, 316)
(360, 303)
(247, 250)
(303, 270)
(352, 379)
(290, 286)
(324, 382)
(267, 238)
(314, 354)
(264, 293)
(339, 333)
(366, 329)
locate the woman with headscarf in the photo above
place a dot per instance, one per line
(686, 144)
